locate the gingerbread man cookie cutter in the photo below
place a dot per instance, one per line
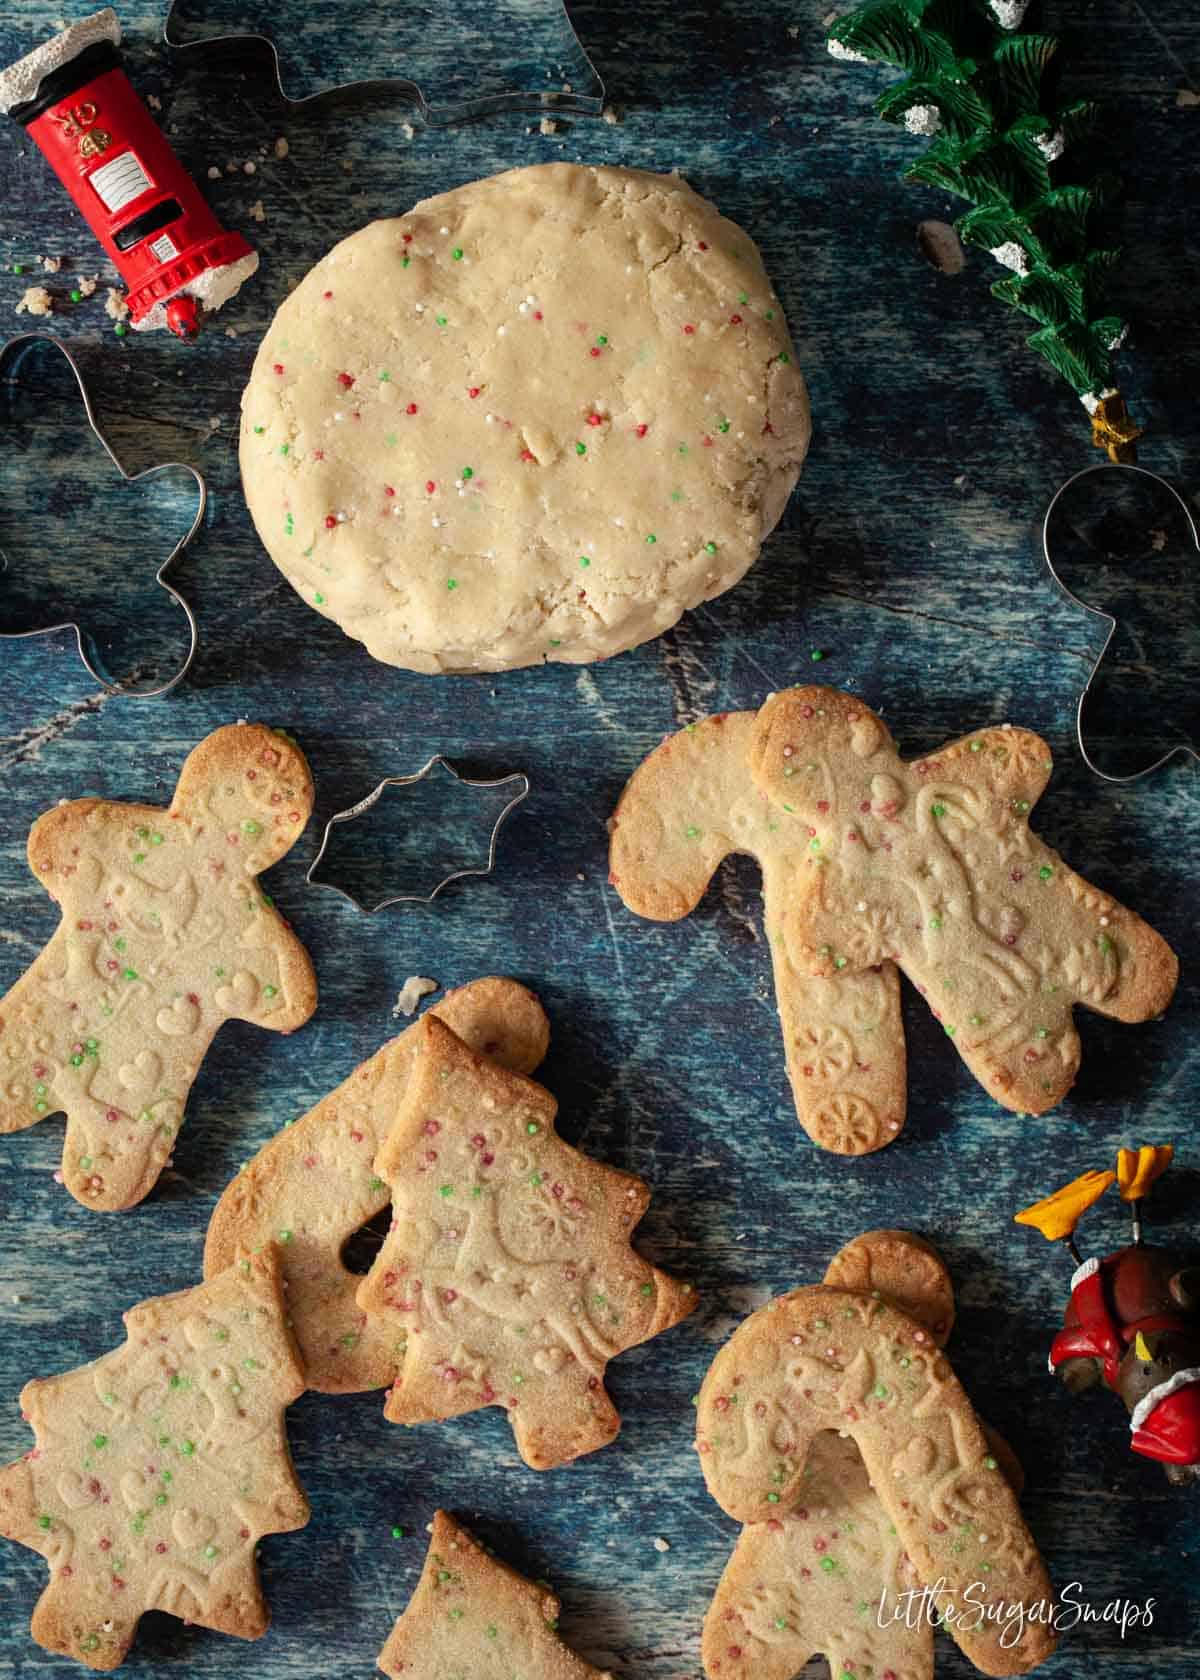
(516, 779)
(11, 356)
(544, 27)
(1183, 749)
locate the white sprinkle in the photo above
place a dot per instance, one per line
(414, 989)
(500, 331)
(1118, 339)
(420, 308)
(338, 417)
(861, 905)
(1104, 921)
(249, 169)
(443, 230)
(214, 174)
(1051, 146)
(1012, 256)
(1008, 13)
(436, 523)
(661, 1545)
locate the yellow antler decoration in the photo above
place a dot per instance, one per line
(1142, 1350)
(1137, 1169)
(1056, 1216)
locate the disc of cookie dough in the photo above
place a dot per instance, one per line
(537, 418)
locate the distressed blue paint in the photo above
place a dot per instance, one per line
(908, 555)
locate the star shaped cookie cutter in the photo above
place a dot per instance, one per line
(11, 354)
(1182, 749)
(234, 29)
(515, 778)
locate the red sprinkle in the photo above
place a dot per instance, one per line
(411, 409)
(528, 455)
(430, 486)
(407, 237)
(735, 320)
(330, 521)
(689, 329)
(594, 351)
(278, 367)
(701, 246)
(595, 420)
(388, 491)
(473, 391)
(642, 430)
(537, 315)
(346, 380)
(328, 295)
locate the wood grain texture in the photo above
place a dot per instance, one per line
(908, 555)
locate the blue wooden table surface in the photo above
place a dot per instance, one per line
(908, 556)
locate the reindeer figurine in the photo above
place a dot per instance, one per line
(1133, 1320)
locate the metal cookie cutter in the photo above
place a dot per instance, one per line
(549, 70)
(1182, 749)
(516, 778)
(10, 355)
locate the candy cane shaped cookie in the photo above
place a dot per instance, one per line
(687, 807)
(826, 1358)
(831, 1576)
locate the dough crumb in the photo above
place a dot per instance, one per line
(115, 305)
(407, 130)
(611, 115)
(256, 212)
(250, 168)
(154, 102)
(1187, 98)
(941, 247)
(52, 265)
(414, 989)
(282, 147)
(214, 174)
(548, 126)
(35, 301)
(87, 285)
(661, 1545)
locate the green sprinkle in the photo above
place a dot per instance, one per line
(880, 1391)
(772, 1499)
(289, 526)
(839, 962)
(457, 253)
(451, 583)
(781, 1622)
(1021, 805)
(651, 538)
(532, 1128)
(938, 810)
(1104, 943)
(18, 268)
(584, 560)
(646, 1289)
(260, 430)
(468, 472)
(710, 548)
(251, 827)
(377, 1184)
(783, 355)
(76, 296)
(491, 1630)
(285, 1236)
(447, 1190)
(989, 1463)
(1042, 1032)
(210, 1551)
(455, 1615)
(285, 449)
(44, 1522)
(90, 1643)
(949, 1031)
(722, 425)
(602, 341)
(828, 1565)
(398, 1532)
(975, 1020)
(385, 377)
(187, 1448)
(99, 1441)
(692, 832)
(130, 973)
(1045, 872)
(319, 598)
(935, 922)
(404, 261)
(270, 991)
(581, 449)
(440, 319)
(120, 329)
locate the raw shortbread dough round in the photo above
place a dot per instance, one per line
(536, 418)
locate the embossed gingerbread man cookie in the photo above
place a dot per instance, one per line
(838, 1357)
(159, 1467)
(165, 935)
(314, 1185)
(831, 1576)
(508, 1278)
(686, 808)
(932, 864)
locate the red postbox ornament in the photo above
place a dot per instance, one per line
(77, 103)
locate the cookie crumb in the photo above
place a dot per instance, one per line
(86, 285)
(35, 301)
(282, 148)
(414, 989)
(214, 174)
(548, 126)
(1187, 98)
(249, 168)
(154, 102)
(661, 1545)
(256, 212)
(52, 265)
(611, 115)
(115, 304)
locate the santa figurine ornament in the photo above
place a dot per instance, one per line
(1133, 1320)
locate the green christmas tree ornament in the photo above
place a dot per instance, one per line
(978, 88)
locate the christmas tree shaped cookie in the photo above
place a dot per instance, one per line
(508, 1273)
(165, 934)
(474, 1616)
(158, 1468)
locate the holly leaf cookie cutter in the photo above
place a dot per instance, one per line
(12, 354)
(1139, 581)
(515, 779)
(549, 70)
